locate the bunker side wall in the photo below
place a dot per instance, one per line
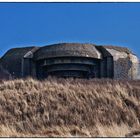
(125, 65)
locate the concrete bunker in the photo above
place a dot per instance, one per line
(70, 60)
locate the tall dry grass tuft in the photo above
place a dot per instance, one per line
(69, 108)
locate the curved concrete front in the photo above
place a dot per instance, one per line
(68, 50)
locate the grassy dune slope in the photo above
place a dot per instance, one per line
(69, 108)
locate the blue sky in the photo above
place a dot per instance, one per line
(29, 24)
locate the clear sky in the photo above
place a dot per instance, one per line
(29, 24)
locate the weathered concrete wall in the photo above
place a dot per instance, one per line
(67, 50)
(134, 71)
(28, 63)
(4, 74)
(109, 67)
(12, 61)
(26, 67)
(103, 67)
(125, 65)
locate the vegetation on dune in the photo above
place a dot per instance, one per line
(69, 108)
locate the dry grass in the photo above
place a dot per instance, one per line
(69, 108)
